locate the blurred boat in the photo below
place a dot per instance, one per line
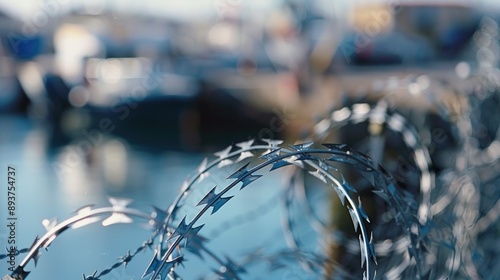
(410, 34)
(158, 88)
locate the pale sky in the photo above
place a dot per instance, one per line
(181, 8)
(28, 8)
(176, 8)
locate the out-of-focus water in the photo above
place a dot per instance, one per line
(44, 191)
(55, 182)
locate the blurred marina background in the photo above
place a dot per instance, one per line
(126, 98)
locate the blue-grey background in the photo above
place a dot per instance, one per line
(104, 99)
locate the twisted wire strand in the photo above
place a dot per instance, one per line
(117, 213)
(274, 157)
